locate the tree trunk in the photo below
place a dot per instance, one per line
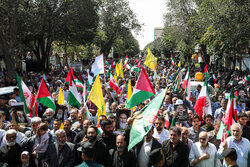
(9, 62)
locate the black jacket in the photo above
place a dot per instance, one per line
(137, 148)
(127, 159)
(177, 156)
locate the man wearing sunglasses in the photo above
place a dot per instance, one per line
(203, 153)
(160, 133)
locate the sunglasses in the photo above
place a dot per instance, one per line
(202, 138)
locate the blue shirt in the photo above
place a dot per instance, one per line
(242, 148)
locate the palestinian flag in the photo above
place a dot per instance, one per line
(44, 97)
(144, 121)
(167, 120)
(135, 69)
(113, 84)
(77, 82)
(73, 97)
(206, 72)
(126, 65)
(187, 84)
(142, 90)
(172, 61)
(26, 97)
(203, 103)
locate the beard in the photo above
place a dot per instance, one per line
(10, 144)
(59, 116)
(108, 133)
(159, 128)
(123, 125)
(121, 148)
(91, 138)
(61, 143)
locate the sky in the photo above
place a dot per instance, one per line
(150, 13)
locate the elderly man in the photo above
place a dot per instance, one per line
(11, 150)
(35, 122)
(184, 137)
(239, 143)
(49, 113)
(174, 150)
(120, 156)
(61, 153)
(203, 153)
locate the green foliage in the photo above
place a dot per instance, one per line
(116, 21)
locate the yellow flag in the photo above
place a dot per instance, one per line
(179, 64)
(60, 98)
(129, 90)
(117, 71)
(163, 75)
(151, 60)
(96, 97)
(121, 69)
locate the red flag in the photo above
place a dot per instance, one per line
(80, 76)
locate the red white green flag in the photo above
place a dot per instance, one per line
(73, 97)
(206, 72)
(142, 90)
(114, 85)
(244, 80)
(44, 97)
(203, 103)
(187, 84)
(26, 97)
(77, 82)
(126, 65)
(172, 61)
(84, 93)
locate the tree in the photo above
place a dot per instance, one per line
(45, 21)
(9, 13)
(116, 20)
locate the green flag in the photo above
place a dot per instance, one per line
(145, 120)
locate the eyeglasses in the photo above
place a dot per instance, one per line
(158, 123)
(201, 138)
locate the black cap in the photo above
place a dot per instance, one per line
(3, 97)
(228, 152)
(155, 156)
(87, 148)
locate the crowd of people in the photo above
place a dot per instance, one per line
(74, 136)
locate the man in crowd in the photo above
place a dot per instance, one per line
(160, 133)
(156, 158)
(107, 137)
(184, 137)
(195, 130)
(239, 143)
(220, 111)
(212, 135)
(88, 151)
(203, 153)
(174, 150)
(230, 155)
(61, 153)
(209, 123)
(145, 147)
(11, 150)
(242, 120)
(120, 156)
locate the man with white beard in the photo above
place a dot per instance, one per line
(11, 150)
(60, 153)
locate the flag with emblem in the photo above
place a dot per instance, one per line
(26, 97)
(145, 120)
(96, 97)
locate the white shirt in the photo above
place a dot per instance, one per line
(164, 135)
(143, 156)
(242, 148)
(197, 150)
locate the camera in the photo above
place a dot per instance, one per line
(19, 106)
